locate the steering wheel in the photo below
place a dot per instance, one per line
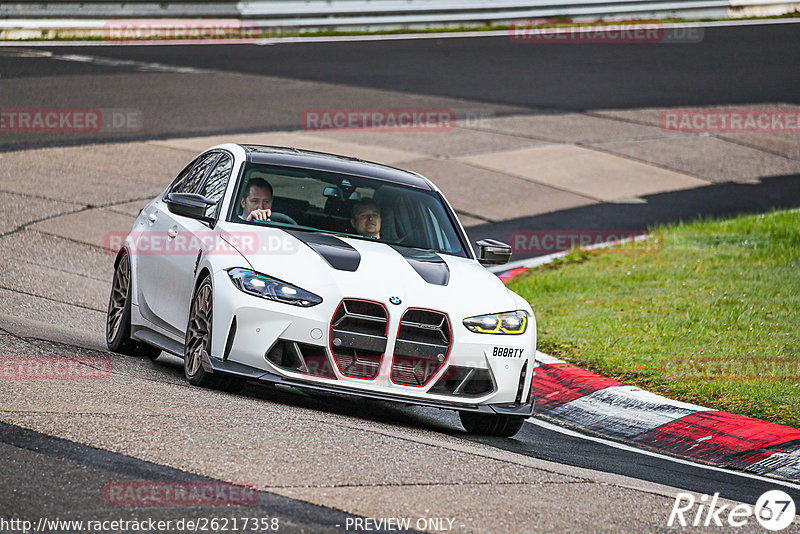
(402, 240)
(282, 218)
(277, 217)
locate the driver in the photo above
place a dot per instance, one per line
(257, 200)
(366, 218)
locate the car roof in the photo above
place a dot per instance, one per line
(296, 157)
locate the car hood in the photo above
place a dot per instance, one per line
(336, 267)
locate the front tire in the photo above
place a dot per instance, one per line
(503, 426)
(198, 340)
(118, 316)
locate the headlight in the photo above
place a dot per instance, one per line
(271, 288)
(498, 323)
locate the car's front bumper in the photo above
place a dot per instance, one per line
(216, 365)
(247, 328)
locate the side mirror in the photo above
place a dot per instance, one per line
(190, 205)
(493, 252)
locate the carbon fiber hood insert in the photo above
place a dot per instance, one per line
(334, 251)
(429, 265)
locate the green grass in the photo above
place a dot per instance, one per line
(706, 312)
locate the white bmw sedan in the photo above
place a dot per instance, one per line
(324, 272)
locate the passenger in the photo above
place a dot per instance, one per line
(257, 200)
(366, 219)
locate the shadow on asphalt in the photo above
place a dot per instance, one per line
(398, 414)
(712, 201)
(533, 440)
(77, 476)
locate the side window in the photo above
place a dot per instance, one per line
(176, 183)
(217, 182)
(194, 180)
(441, 239)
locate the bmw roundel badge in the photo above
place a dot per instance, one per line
(395, 300)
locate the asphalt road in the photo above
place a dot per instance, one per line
(69, 477)
(719, 200)
(729, 66)
(56, 478)
(262, 88)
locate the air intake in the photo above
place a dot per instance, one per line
(523, 375)
(422, 346)
(464, 382)
(301, 358)
(358, 337)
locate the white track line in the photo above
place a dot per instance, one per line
(550, 426)
(141, 66)
(391, 37)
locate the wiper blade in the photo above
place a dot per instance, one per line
(320, 231)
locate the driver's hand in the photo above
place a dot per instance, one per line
(260, 215)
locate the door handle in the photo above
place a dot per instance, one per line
(152, 217)
(171, 233)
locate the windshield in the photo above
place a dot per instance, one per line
(364, 208)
